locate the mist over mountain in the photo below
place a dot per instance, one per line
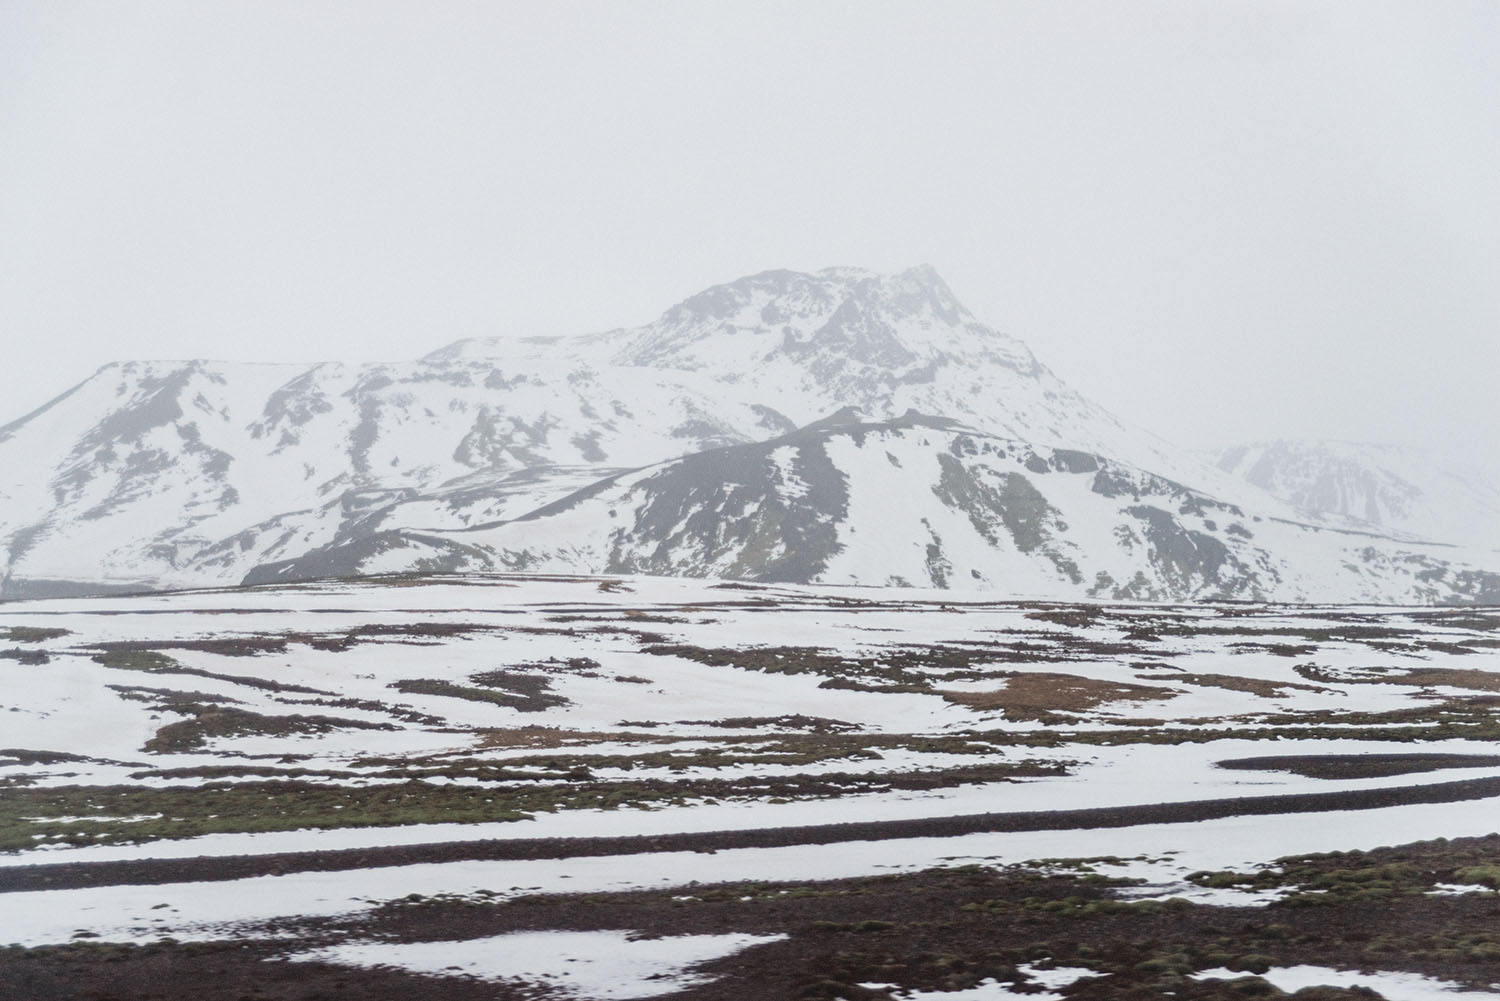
(839, 426)
(1422, 492)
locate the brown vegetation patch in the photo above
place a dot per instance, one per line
(32, 634)
(796, 721)
(551, 737)
(414, 633)
(1449, 677)
(935, 931)
(1278, 649)
(140, 657)
(217, 971)
(403, 713)
(1037, 694)
(230, 646)
(224, 721)
(524, 693)
(583, 667)
(1358, 766)
(1072, 616)
(904, 669)
(169, 698)
(1421, 677)
(25, 756)
(1255, 686)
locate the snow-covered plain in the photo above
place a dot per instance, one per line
(1161, 854)
(489, 705)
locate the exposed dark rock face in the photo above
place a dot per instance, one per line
(737, 508)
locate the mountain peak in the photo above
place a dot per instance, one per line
(772, 304)
(908, 314)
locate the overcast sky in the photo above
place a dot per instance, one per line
(1221, 220)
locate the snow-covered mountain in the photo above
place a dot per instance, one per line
(536, 451)
(927, 502)
(1446, 499)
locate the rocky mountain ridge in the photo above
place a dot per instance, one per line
(921, 501)
(154, 474)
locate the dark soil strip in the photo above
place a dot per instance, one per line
(1359, 766)
(70, 875)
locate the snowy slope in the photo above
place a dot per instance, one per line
(1447, 499)
(924, 501)
(158, 474)
(184, 473)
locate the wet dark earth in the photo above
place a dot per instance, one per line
(1359, 766)
(58, 876)
(937, 930)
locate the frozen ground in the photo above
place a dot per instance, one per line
(422, 720)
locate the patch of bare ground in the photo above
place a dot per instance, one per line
(1359, 766)
(1448, 677)
(149, 659)
(415, 633)
(1263, 687)
(1468, 618)
(25, 756)
(219, 971)
(527, 693)
(904, 669)
(209, 721)
(1418, 677)
(31, 634)
(1037, 694)
(1277, 649)
(171, 698)
(795, 721)
(877, 938)
(1072, 616)
(403, 713)
(248, 645)
(292, 805)
(554, 737)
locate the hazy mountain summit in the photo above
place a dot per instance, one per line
(804, 345)
(1435, 497)
(731, 436)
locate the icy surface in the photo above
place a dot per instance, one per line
(597, 964)
(656, 685)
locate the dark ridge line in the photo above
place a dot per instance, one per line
(76, 875)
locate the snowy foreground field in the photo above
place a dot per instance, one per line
(579, 788)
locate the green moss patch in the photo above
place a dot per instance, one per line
(31, 634)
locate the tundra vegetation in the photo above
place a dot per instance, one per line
(422, 721)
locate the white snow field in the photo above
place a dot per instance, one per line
(619, 787)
